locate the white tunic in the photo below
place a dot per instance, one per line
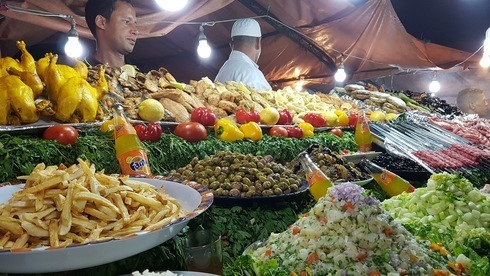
(239, 67)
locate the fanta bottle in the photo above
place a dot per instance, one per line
(130, 153)
(319, 182)
(362, 134)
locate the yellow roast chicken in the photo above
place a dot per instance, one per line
(74, 99)
(20, 86)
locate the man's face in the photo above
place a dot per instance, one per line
(120, 30)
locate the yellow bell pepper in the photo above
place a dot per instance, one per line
(308, 129)
(251, 130)
(227, 130)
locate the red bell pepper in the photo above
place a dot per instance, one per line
(204, 116)
(245, 115)
(152, 132)
(353, 117)
(295, 132)
(315, 120)
(285, 117)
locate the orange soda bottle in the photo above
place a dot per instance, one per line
(390, 182)
(319, 182)
(362, 134)
(130, 152)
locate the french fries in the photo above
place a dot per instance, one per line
(60, 206)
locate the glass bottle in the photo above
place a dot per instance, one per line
(130, 152)
(390, 182)
(362, 134)
(318, 181)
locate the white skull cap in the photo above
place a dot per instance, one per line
(246, 27)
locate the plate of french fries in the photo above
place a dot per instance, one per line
(64, 218)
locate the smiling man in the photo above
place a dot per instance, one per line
(113, 24)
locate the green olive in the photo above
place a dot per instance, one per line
(277, 191)
(267, 184)
(246, 181)
(214, 185)
(267, 192)
(218, 192)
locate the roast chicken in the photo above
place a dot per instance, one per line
(20, 87)
(74, 99)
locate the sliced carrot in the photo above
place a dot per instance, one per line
(303, 273)
(349, 205)
(403, 272)
(361, 256)
(296, 230)
(438, 272)
(313, 257)
(323, 220)
(374, 273)
(388, 231)
(268, 252)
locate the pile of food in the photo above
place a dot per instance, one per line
(449, 210)
(348, 233)
(240, 175)
(60, 206)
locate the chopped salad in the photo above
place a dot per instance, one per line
(347, 233)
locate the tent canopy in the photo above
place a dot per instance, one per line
(301, 38)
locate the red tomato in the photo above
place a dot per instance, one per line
(337, 131)
(353, 120)
(285, 117)
(295, 132)
(191, 131)
(65, 135)
(152, 132)
(204, 116)
(278, 131)
(244, 116)
(315, 120)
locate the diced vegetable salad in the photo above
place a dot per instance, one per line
(448, 211)
(347, 233)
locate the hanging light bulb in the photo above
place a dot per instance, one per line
(340, 75)
(73, 48)
(172, 5)
(299, 85)
(203, 49)
(434, 85)
(485, 60)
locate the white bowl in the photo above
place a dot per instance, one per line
(193, 197)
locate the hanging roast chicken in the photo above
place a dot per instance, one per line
(20, 86)
(73, 98)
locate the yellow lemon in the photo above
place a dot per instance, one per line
(377, 116)
(151, 110)
(391, 116)
(331, 117)
(343, 120)
(129, 70)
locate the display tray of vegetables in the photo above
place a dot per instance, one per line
(235, 176)
(347, 232)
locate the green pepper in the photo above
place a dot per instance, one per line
(307, 129)
(227, 130)
(251, 130)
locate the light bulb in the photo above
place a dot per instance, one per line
(485, 60)
(203, 50)
(434, 86)
(73, 48)
(171, 5)
(299, 86)
(340, 75)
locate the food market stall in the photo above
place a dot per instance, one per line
(244, 212)
(234, 147)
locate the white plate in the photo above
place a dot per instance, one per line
(356, 157)
(194, 198)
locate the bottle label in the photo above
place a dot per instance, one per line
(124, 129)
(386, 177)
(134, 162)
(364, 126)
(314, 177)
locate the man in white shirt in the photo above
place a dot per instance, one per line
(242, 66)
(473, 101)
